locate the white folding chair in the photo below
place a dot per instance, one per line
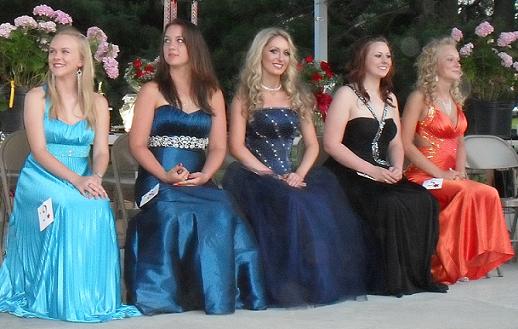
(485, 152)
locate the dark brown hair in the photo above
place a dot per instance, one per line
(203, 78)
(356, 69)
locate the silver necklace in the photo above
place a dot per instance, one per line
(446, 106)
(270, 88)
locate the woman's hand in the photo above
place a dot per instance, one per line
(177, 174)
(452, 174)
(194, 179)
(388, 176)
(90, 187)
(294, 180)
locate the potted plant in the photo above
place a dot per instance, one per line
(23, 57)
(490, 77)
(138, 72)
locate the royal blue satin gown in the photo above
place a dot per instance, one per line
(311, 241)
(70, 270)
(188, 248)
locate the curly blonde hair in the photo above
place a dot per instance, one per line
(427, 71)
(249, 88)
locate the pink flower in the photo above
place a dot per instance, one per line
(506, 38)
(47, 26)
(507, 61)
(26, 22)
(111, 66)
(6, 29)
(456, 34)
(43, 10)
(61, 17)
(466, 50)
(484, 29)
(96, 33)
(113, 51)
(101, 51)
(515, 66)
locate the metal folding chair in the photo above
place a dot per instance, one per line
(485, 152)
(13, 152)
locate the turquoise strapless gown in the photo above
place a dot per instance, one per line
(70, 270)
(188, 248)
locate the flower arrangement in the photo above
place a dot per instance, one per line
(487, 64)
(24, 47)
(321, 80)
(139, 71)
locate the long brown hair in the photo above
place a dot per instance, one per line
(356, 69)
(203, 78)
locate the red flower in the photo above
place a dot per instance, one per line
(316, 76)
(137, 63)
(323, 103)
(149, 68)
(327, 69)
(309, 59)
(139, 73)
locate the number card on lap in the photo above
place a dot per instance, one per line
(45, 214)
(433, 183)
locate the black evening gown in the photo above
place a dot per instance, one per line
(309, 238)
(402, 218)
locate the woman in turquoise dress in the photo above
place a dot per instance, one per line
(187, 248)
(310, 240)
(70, 269)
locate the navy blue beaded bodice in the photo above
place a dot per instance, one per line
(269, 136)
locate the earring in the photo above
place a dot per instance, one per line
(79, 72)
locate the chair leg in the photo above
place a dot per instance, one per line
(499, 272)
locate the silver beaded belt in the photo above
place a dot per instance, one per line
(182, 142)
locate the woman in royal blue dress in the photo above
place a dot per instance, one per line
(187, 248)
(70, 269)
(310, 240)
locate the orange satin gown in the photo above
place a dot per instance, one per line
(473, 236)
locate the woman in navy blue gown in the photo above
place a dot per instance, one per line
(310, 240)
(187, 248)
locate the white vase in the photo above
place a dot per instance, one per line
(126, 111)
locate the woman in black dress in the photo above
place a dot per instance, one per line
(362, 137)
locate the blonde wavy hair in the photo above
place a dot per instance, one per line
(249, 89)
(85, 80)
(427, 71)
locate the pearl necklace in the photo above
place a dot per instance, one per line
(270, 88)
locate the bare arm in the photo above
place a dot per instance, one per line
(415, 110)
(33, 118)
(145, 104)
(237, 144)
(396, 152)
(311, 147)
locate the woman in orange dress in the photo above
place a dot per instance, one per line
(473, 236)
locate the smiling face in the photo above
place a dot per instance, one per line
(174, 48)
(64, 56)
(378, 60)
(276, 57)
(448, 63)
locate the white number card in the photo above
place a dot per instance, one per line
(149, 195)
(45, 214)
(433, 183)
